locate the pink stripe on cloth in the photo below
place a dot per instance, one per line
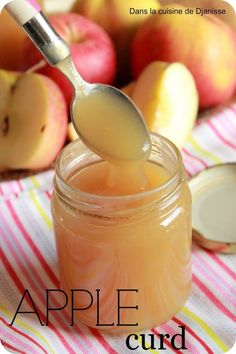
(214, 299)
(48, 194)
(12, 328)
(229, 125)
(12, 348)
(217, 260)
(223, 283)
(189, 167)
(221, 137)
(20, 185)
(32, 244)
(102, 341)
(21, 254)
(171, 331)
(18, 343)
(202, 162)
(201, 268)
(199, 339)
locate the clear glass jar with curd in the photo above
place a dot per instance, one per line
(129, 255)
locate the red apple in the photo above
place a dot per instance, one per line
(205, 44)
(116, 17)
(91, 47)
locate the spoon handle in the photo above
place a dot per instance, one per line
(35, 24)
(23, 10)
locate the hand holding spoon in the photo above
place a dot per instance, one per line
(103, 116)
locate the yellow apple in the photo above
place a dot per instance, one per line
(167, 96)
(33, 120)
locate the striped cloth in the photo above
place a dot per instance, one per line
(29, 262)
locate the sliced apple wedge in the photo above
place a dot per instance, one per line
(167, 96)
(33, 121)
(7, 81)
(71, 133)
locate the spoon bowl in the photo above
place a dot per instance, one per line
(105, 119)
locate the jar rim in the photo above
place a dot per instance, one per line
(77, 193)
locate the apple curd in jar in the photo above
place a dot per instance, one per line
(110, 238)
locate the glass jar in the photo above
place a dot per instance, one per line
(129, 257)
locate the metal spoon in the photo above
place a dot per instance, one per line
(57, 53)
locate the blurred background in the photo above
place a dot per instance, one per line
(174, 65)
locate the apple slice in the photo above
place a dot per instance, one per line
(7, 81)
(167, 96)
(34, 122)
(71, 133)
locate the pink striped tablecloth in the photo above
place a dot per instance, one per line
(28, 261)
